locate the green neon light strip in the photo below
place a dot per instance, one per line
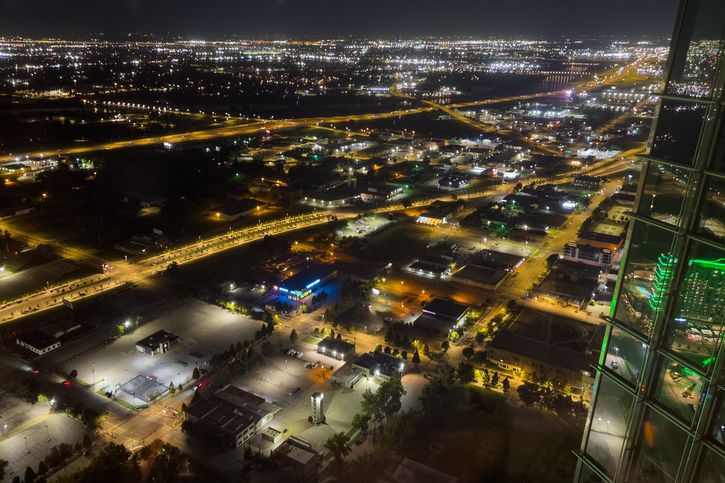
(717, 264)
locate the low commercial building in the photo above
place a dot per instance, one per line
(306, 281)
(380, 193)
(439, 212)
(380, 365)
(237, 209)
(597, 256)
(38, 342)
(442, 315)
(348, 375)
(539, 360)
(230, 417)
(299, 456)
(338, 196)
(157, 343)
(479, 276)
(336, 348)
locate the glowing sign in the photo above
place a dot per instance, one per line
(312, 284)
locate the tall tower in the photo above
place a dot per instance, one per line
(658, 413)
(318, 410)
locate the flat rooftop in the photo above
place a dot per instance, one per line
(331, 344)
(495, 259)
(380, 361)
(306, 278)
(446, 309)
(542, 351)
(157, 338)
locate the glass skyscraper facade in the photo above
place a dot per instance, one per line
(658, 411)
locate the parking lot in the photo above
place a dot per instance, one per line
(29, 447)
(364, 226)
(203, 330)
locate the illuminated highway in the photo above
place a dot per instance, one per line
(255, 127)
(121, 273)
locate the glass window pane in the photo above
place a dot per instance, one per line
(696, 54)
(664, 193)
(712, 468)
(660, 451)
(679, 389)
(718, 161)
(678, 131)
(697, 324)
(712, 213)
(646, 277)
(588, 476)
(609, 425)
(718, 425)
(625, 355)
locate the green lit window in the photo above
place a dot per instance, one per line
(696, 325)
(664, 193)
(678, 131)
(609, 425)
(646, 278)
(625, 355)
(712, 213)
(660, 450)
(696, 54)
(679, 388)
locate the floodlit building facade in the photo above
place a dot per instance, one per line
(658, 413)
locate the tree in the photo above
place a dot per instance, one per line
(87, 441)
(416, 357)
(465, 372)
(529, 393)
(389, 396)
(494, 379)
(379, 348)
(29, 475)
(167, 465)
(445, 345)
(112, 465)
(485, 377)
(42, 467)
(91, 418)
(370, 404)
(293, 336)
(195, 373)
(468, 352)
(3, 465)
(426, 350)
(505, 384)
(360, 421)
(338, 445)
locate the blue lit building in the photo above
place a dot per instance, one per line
(306, 282)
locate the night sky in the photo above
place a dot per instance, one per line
(325, 18)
